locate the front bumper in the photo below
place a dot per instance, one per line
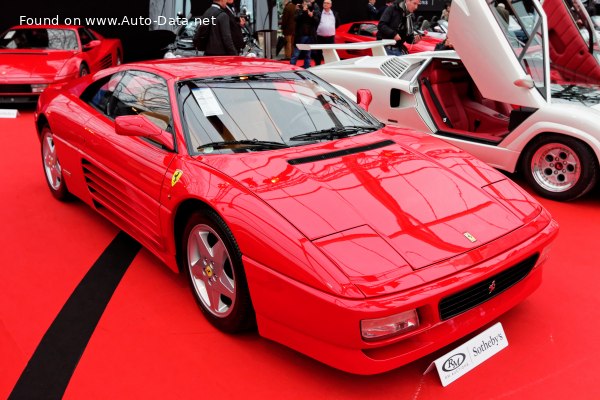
(327, 327)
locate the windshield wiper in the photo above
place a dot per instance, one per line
(335, 132)
(254, 143)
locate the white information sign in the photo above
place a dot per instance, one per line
(207, 101)
(9, 113)
(464, 358)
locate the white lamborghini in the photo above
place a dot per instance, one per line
(496, 95)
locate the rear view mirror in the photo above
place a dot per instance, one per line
(138, 125)
(363, 98)
(526, 82)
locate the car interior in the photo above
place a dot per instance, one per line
(457, 107)
(570, 54)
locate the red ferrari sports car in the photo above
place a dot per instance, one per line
(33, 57)
(290, 208)
(366, 31)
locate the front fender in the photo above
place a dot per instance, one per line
(262, 234)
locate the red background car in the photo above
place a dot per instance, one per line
(366, 31)
(33, 57)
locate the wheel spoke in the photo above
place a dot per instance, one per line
(226, 286)
(219, 256)
(55, 176)
(197, 270)
(215, 298)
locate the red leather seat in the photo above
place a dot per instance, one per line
(451, 88)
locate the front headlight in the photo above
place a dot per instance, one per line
(381, 328)
(38, 87)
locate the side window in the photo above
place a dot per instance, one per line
(142, 93)
(369, 30)
(354, 29)
(99, 94)
(84, 36)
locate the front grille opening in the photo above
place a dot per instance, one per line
(489, 288)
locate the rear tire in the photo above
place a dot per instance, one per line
(560, 167)
(52, 167)
(84, 70)
(213, 264)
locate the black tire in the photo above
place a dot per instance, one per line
(559, 167)
(52, 167)
(84, 70)
(218, 281)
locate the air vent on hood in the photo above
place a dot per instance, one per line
(340, 153)
(394, 67)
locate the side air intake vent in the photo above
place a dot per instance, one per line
(394, 67)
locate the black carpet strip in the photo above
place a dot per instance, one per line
(49, 370)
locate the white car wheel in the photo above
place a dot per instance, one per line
(560, 167)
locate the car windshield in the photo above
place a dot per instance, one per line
(525, 34)
(39, 38)
(289, 108)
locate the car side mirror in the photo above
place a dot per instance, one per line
(363, 98)
(91, 45)
(526, 82)
(138, 125)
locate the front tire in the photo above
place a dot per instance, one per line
(52, 168)
(560, 167)
(213, 265)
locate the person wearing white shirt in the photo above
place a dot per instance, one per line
(326, 29)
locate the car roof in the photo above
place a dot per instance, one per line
(201, 67)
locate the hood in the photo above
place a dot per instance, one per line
(423, 211)
(18, 64)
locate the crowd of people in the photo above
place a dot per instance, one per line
(305, 22)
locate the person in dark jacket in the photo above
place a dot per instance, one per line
(220, 41)
(397, 23)
(236, 23)
(288, 27)
(307, 20)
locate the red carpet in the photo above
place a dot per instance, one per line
(153, 343)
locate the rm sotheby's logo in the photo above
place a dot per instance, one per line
(454, 362)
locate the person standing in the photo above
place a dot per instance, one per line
(397, 23)
(371, 9)
(236, 24)
(288, 27)
(218, 41)
(326, 29)
(446, 11)
(383, 8)
(307, 20)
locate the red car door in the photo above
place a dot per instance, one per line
(126, 174)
